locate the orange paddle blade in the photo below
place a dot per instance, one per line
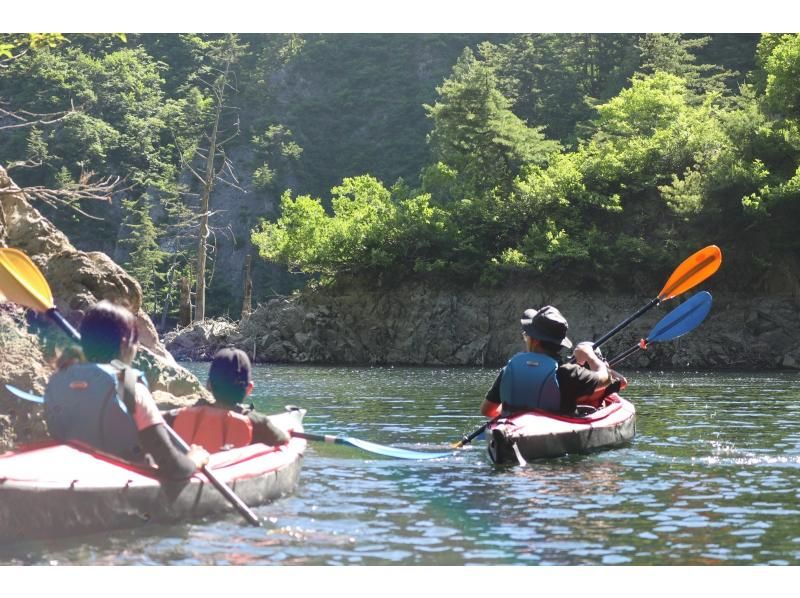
(694, 270)
(22, 282)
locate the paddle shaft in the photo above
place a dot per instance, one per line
(625, 322)
(233, 499)
(56, 316)
(319, 437)
(625, 354)
(237, 502)
(476, 433)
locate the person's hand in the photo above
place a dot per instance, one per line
(584, 353)
(199, 455)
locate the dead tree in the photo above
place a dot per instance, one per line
(247, 301)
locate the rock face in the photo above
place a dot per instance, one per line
(422, 325)
(77, 281)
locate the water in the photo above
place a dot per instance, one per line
(712, 477)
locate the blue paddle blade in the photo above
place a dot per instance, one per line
(687, 316)
(389, 451)
(25, 396)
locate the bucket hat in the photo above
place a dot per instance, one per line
(546, 324)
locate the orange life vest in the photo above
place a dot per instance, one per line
(213, 428)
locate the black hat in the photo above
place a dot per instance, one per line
(547, 324)
(229, 375)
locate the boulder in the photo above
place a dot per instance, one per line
(77, 280)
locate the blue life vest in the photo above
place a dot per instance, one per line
(83, 402)
(529, 381)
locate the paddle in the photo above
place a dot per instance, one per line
(691, 272)
(371, 447)
(684, 318)
(22, 282)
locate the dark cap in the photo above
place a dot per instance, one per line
(229, 375)
(547, 324)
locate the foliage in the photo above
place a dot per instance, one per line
(476, 134)
(555, 156)
(275, 148)
(145, 256)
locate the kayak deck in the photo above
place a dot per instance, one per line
(539, 434)
(53, 490)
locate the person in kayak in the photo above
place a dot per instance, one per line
(537, 378)
(227, 423)
(99, 400)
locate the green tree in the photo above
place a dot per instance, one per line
(476, 134)
(676, 54)
(145, 257)
(276, 149)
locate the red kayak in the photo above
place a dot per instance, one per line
(540, 434)
(52, 490)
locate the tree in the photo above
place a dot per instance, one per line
(552, 79)
(676, 54)
(477, 135)
(219, 79)
(146, 256)
(276, 149)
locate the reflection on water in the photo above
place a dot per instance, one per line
(712, 477)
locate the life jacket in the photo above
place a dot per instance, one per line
(85, 402)
(529, 381)
(213, 427)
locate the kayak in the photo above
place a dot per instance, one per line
(54, 490)
(540, 434)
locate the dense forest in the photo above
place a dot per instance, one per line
(591, 159)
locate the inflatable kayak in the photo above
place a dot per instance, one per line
(539, 434)
(52, 490)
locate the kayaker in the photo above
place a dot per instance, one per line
(227, 423)
(102, 402)
(538, 378)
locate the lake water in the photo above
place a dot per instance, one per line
(712, 477)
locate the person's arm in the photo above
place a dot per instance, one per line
(264, 430)
(585, 355)
(491, 405)
(576, 381)
(172, 464)
(155, 440)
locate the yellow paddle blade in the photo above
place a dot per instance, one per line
(694, 270)
(22, 282)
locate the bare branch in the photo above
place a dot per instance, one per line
(86, 189)
(29, 163)
(30, 119)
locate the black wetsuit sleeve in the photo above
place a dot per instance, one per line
(493, 394)
(575, 381)
(172, 463)
(265, 431)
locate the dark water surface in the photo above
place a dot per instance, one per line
(712, 477)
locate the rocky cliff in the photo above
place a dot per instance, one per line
(422, 325)
(77, 280)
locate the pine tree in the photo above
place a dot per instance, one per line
(145, 260)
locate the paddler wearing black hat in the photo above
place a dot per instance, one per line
(227, 423)
(538, 378)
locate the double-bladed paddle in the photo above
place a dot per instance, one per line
(370, 447)
(22, 282)
(691, 272)
(684, 318)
